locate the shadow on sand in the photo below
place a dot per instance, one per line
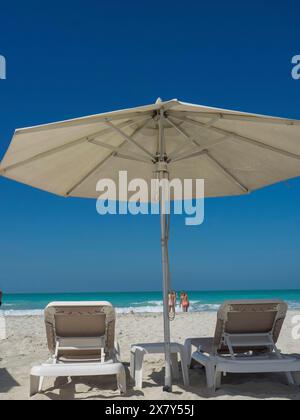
(7, 382)
(233, 387)
(104, 388)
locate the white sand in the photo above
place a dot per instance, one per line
(26, 346)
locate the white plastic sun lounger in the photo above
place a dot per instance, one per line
(81, 340)
(245, 342)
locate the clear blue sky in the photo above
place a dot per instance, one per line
(73, 58)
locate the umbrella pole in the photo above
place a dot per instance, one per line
(166, 290)
(163, 173)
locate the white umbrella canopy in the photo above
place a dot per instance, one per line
(234, 152)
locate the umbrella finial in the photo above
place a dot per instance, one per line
(158, 101)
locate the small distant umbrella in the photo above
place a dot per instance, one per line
(234, 152)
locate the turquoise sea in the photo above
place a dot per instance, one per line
(21, 304)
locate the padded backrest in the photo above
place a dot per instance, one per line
(80, 319)
(250, 317)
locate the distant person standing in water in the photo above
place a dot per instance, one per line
(181, 299)
(185, 302)
(172, 302)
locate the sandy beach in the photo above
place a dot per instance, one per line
(26, 346)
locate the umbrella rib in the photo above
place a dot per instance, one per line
(226, 171)
(229, 175)
(85, 121)
(61, 148)
(232, 117)
(191, 139)
(213, 120)
(191, 155)
(128, 138)
(69, 192)
(200, 150)
(133, 158)
(242, 138)
(115, 154)
(115, 151)
(184, 135)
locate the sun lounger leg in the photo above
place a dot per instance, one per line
(290, 378)
(184, 367)
(139, 359)
(218, 380)
(185, 374)
(210, 376)
(121, 378)
(174, 362)
(296, 377)
(132, 365)
(34, 385)
(41, 383)
(118, 351)
(188, 351)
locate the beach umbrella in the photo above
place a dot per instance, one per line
(234, 152)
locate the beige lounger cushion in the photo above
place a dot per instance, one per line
(87, 319)
(249, 317)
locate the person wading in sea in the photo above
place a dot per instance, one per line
(185, 302)
(172, 303)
